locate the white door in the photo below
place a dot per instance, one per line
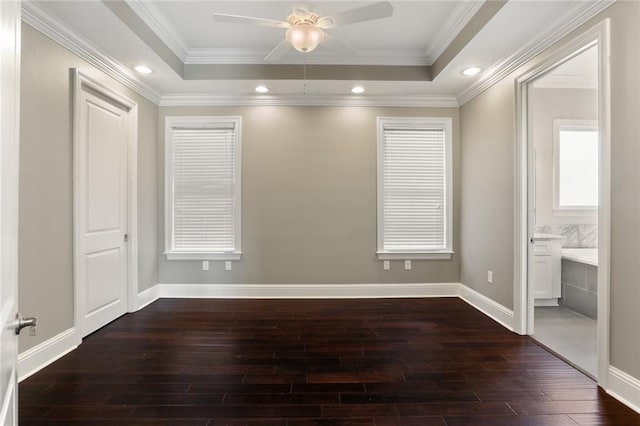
(101, 191)
(9, 157)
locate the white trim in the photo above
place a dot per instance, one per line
(487, 306)
(82, 80)
(190, 99)
(446, 124)
(147, 297)
(38, 357)
(523, 200)
(450, 28)
(247, 56)
(436, 255)
(580, 13)
(156, 21)
(172, 122)
(9, 401)
(308, 291)
(203, 256)
(624, 387)
(43, 21)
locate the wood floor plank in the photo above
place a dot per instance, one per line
(378, 362)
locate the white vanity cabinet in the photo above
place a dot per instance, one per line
(547, 269)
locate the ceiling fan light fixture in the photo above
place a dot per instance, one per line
(305, 37)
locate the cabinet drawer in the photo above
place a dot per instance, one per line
(540, 248)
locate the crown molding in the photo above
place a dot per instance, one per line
(225, 56)
(577, 15)
(308, 100)
(450, 28)
(156, 21)
(40, 19)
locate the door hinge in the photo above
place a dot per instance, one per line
(126, 237)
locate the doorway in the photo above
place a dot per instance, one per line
(105, 144)
(563, 129)
(563, 216)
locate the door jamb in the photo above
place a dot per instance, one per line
(523, 306)
(80, 80)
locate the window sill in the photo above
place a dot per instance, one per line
(435, 255)
(203, 256)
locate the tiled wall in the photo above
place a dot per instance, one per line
(580, 288)
(576, 236)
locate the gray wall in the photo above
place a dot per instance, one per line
(46, 170)
(487, 211)
(548, 105)
(308, 199)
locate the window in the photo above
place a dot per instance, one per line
(202, 156)
(414, 188)
(575, 166)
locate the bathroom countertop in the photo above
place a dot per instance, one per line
(546, 237)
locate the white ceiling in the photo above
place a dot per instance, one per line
(417, 33)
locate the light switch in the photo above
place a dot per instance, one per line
(490, 277)
(386, 265)
(205, 265)
(227, 265)
(407, 265)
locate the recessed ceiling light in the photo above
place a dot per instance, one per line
(357, 89)
(143, 69)
(471, 71)
(262, 89)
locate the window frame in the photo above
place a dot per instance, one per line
(558, 126)
(202, 122)
(446, 124)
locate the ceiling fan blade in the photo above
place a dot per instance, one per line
(237, 19)
(337, 46)
(279, 51)
(380, 10)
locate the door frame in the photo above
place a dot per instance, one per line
(80, 81)
(523, 293)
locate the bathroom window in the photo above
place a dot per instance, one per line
(414, 188)
(202, 188)
(575, 166)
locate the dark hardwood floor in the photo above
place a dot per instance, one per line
(313, 362)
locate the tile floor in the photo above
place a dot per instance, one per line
(569, 334)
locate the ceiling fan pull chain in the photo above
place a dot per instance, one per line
(304, 74)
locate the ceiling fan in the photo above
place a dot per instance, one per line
(305, 27)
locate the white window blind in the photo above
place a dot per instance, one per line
(204, 186)
(414, 186)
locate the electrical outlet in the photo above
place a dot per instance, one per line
(205, 265)
(407, 265)
(386, 265)
(227, 265)
(490, 277)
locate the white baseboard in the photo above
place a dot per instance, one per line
(308, 291)
(624, 387)
(487, 306)
(545, 302)
(35, 359)
(148, 296)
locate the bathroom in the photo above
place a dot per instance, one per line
(564, 109)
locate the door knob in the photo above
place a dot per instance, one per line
(30, 322)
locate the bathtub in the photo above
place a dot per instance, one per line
(580, 281)
(581, 255)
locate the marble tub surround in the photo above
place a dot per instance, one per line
(580, 288)
(576, 236)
